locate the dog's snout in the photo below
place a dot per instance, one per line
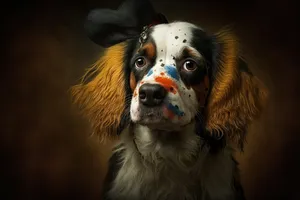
(152, 94)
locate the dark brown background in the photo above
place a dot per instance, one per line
(46, 149)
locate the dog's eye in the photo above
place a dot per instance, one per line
(140, 62)
(189, 65)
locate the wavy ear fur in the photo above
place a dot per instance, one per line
(237, 96)
(102, 99)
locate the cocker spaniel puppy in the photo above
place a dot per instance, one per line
(176, 97)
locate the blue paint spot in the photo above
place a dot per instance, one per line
(172, 71)
(175, 110)
(150, 72)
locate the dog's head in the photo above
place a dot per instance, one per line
(171, 70)
(168, 76)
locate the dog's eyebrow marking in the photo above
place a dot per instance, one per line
(148, 49)
(189, 52)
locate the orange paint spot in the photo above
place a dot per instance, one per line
(161, 73)
(135, 94)
(142, 82)
(167, 83)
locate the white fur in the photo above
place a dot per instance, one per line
(162, 166)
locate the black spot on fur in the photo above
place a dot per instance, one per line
(176, 37)
(184, 41)
(162, 50)
(189, 95)
(162, 64)
(160, 60)
(173, 57)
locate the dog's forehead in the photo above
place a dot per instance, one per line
(171, 38)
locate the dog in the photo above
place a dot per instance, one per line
(177, 98)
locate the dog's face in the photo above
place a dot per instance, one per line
(171, 74)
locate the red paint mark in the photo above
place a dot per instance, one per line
(167, 83)
(142, 82)
(161, 73)
(168, 113)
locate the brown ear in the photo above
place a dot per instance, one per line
(102, 100)
(237, 97)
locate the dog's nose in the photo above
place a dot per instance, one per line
(152, 94)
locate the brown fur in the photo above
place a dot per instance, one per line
(237, 97)
(150, 50)
(132, 82)
(201, 91)
(103, 99)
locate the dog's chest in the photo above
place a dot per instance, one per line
(160, 181)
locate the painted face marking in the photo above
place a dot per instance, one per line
(150, 72)
(167, 83)
(172, 72)
(175, 110)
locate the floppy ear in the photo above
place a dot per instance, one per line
(237, 96)
(102, 99)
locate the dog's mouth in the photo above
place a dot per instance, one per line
(164, 117)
